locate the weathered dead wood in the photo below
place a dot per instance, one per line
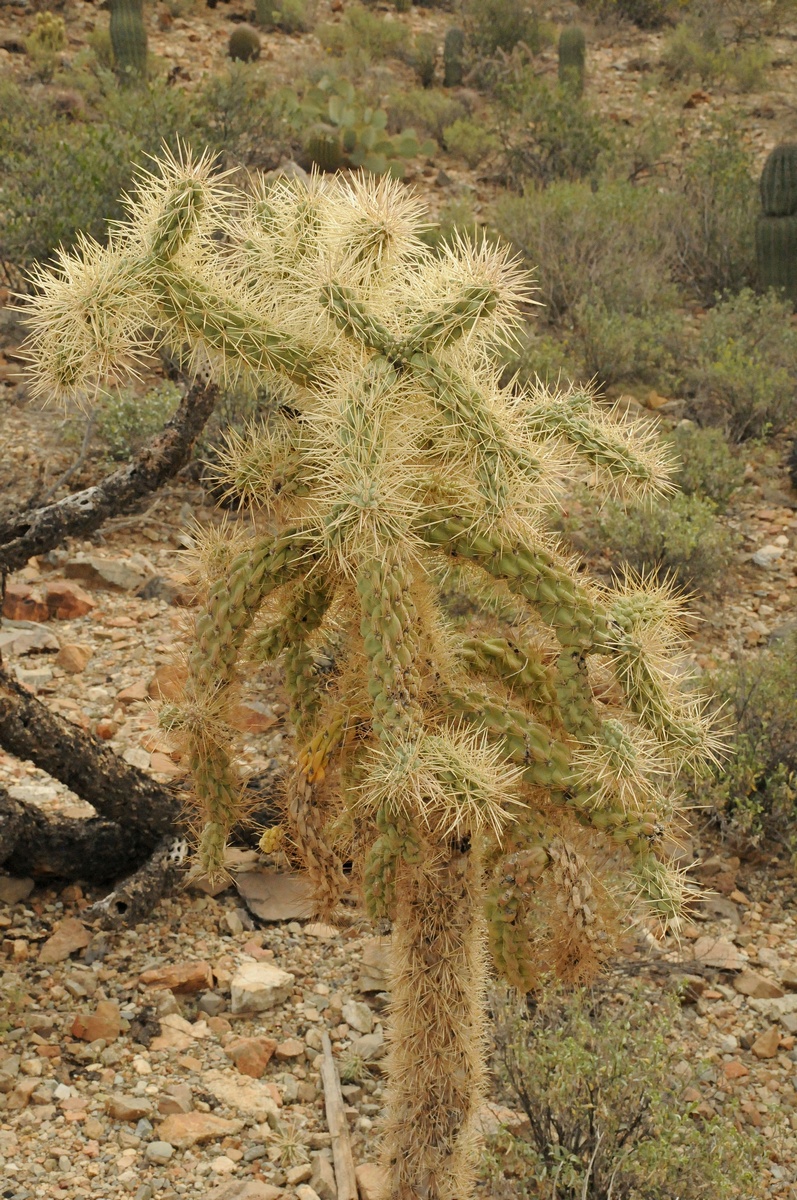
(135, 897)
(337, 1124)
(41, 529)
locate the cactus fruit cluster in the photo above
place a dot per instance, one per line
(129, 39)
(511, 790)
(453, 58)
(776, 228)
(572, 58)
(244, 44)
(345, 132)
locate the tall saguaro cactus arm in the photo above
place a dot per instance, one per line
(467, 780)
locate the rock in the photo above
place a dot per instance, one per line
(749, 983)
(24, 637)
(9, 1071)
(181, 978)
(177, 1098)
(69, 936)
(15, 888)
(358, 1016)
(323, 1178)
(22, 603)
(290, 1048)
(252, 718)
(272, 896)
(375, 971)
(73, 657)
(788, 978)
(159, 1152)
(67, 601)
(251, 1099)
(491, 1118)
(128, 1108)
(766, 1044)
(305, 1192)
(776, 1009)
(735, 1069)
(372, 1045)
(257, 987)
(19, 1097)
(719, 953)
(184, 1130)
(123, 574)
(253, 1189)
(252, 1055)
(104, 1022)
(371, 1181)
(768, 556)
(173, 590)
(211, 1003)
(168, 682)
(132, 694)
(318, 929)
(299, 1174)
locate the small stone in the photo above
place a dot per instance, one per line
(788, 978)
(22, 603)
(232, 923)
(371, 1181)
(104, 1022)
(735, 1069)
(766, 1044)
(375, 972)
(251, 1098)
(719, 953)
(290, 1048)
(73, 657)
(67, 601)
(124, 574)
(70, 935)
(183, 1130)
(177, 1098)
(94, 1129)
(252, 1189)
(324, 933)
(768, 556)
(168, 682)
(159, 1152)
(132, 694)
(358, 1016)
(305, 1192)
(252, 718)
(252, 1055)
(257, 987)
(323, 1178)
(222, 1165)
(276, 896)
(128, 1108)
(182, 978)
(372, 1045)
(211, 1003)
(26, 638)
(299, 1174)
(15, 888)
(750, 983)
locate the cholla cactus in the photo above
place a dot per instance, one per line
(474, 781)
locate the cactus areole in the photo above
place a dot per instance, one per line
(475, 783)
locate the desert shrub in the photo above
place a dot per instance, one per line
(611, 244)
(291, 16)
(679, 538)
(744, 374)
(469, 140)
(617, 345)
(424, 57)
(706, 465)
(362, 36)
(455, 219)
(699, 53)
(754, 793)
(546, 133)
(607, 1117)
(737, 21)
(494, 25)
(124, 421)
(647, 14)
(713, 217)
(44, 44)
(538, 355)
(242, 116)
(427, 110)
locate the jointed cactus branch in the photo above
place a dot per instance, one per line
(428, 759)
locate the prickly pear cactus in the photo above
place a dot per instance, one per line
(129, 39)
(475, 783)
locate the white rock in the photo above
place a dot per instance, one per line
(159, 1152)
(768, 556)
(251, 1098)
(358, 1016)
(258, 986)
(305, 1192)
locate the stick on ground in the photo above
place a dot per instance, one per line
(338, 1125)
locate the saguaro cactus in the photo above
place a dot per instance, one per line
(572, 57)
(129, 39)
(776, 229)
(468, 780)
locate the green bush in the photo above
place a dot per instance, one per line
(706, 466)
(362, 36)
(494, 25)
(754, 793)
(547, 133)
(124, 421)
(239, 114)
(713, 215)
(647, 14)
(428, 110)
(744, 374)
(699, 54)
(540, 356)
(291, 16)
(424, 57)
(595, 1075)
(469, 140)
(617, 346)
(679, 538)
(44, 44)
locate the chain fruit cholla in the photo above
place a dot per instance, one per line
(475, 784)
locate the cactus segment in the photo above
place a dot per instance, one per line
(391, 638)
(572, 58)
(451, 321)
(453, 56)
(524, 675)
(129, 39)
(779, 182)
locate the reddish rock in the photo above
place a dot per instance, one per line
(176, 1099)
(66, 601)
(187, 978)
(750, 983)
(371, 1181)
(73, 658)
(128, 1108)
(290, 1048)
(164, 764)
(766, 1044)
(104, 1022)
(168, 682)
(719, 953)
(19, 1098)
(184, 1130)
(129, 695)
(106, 729)
(252, 718)
(735, 1069)
(70, 936)
(252, 1055)
(22, 603)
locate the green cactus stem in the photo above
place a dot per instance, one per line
(453, 58)
(129, 39)
(572, 58)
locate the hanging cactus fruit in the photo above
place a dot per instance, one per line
(129, 39)
(776, 229)
(244, 44)
(473, 783)
(453, 58)
(572, 57)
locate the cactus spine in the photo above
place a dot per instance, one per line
(129, 39)
(776, 228)
(572, 58)
(453, 58)
(465, 779)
